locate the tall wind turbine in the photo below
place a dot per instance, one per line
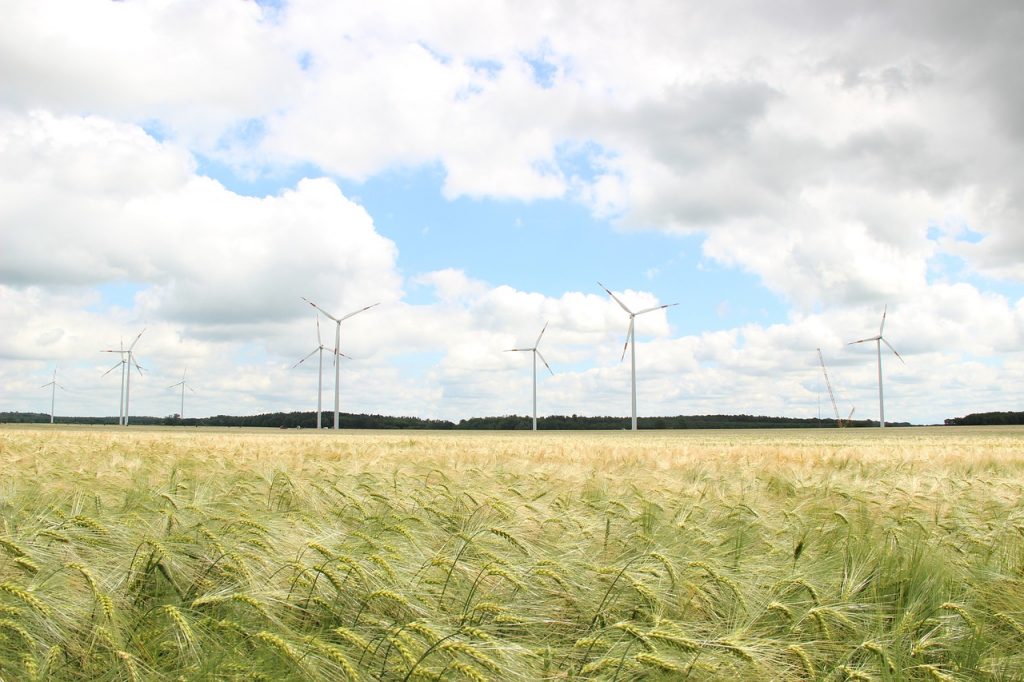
(320, 348)
(53, 391)
(337, 352)
(536, 354)
(121, 364)
(631, 339)
(126, 362)
(184, 385)
(879, 340)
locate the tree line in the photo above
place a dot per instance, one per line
(987, 418)
(307, 420)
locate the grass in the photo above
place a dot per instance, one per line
(784, 555)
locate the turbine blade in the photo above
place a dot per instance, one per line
(873, 338)
(345, 356)
(176, 385)
(191, 390)
(319, 308)
(544, 361)
(137, 339)
(359, 311)
(516, 350)
(319, 341)
(882, 326)
(657, 307)
(113, 368)
(629, 335)
(537, 342)
(621, 304)
(305, 358)
(894, 351)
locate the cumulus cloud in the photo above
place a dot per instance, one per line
(92, 201)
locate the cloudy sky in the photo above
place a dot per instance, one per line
(781, 170)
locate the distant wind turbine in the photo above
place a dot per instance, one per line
(536, 354)
(631, 339)
(125, 363)
(184, 385)
(337, 352)
(320, 348)
(53, 391)
(879, 340)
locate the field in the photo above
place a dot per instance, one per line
(237, 555)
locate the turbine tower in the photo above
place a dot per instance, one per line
(631, 340)
(125, 363)
(536, 354)
(53, 391)
(320, 372)
(337, 345)
(879, 340)
(183, 384)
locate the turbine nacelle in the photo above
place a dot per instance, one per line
(534, 349)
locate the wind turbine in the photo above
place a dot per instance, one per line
(320, 371)
(337, 352)
(631, 339)
(183, 384)
(536, 354)
(120, 363)
(126, 362)
(53, 391)
(879, 340)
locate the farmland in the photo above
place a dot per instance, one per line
(227, 554)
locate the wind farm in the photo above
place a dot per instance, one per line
(127, 360)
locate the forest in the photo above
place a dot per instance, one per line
(307, 420)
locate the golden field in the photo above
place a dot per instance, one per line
(164, 553)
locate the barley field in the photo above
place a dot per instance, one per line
(177, 554)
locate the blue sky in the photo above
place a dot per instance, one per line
(547, 245)
(783, 175)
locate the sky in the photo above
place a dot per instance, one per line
(783, 171)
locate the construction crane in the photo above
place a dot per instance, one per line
(831, 395)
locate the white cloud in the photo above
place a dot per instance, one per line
(92, 201)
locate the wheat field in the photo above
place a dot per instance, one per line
(167, 554)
